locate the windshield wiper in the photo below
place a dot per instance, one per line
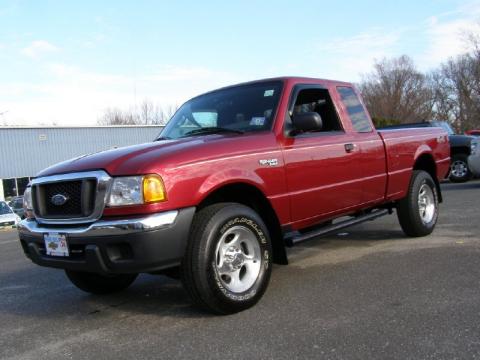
(212, 130)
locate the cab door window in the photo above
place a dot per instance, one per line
(319, 101)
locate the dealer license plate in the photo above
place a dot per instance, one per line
(56, 244)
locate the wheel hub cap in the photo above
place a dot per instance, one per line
(238, 259)
(234, 258)
(426, 203)
(459, 169)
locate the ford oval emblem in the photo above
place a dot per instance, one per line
(58, 199)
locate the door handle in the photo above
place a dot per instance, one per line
(350, 147)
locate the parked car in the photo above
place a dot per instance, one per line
(473, 133)
(474, 158)
(7, 216)
(235, 176)
(17, 206)
(460, 146)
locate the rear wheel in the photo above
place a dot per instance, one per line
(100, 284)
(418, 211)
(227, 264)
(459, 171)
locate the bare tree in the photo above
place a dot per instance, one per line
(147, 114)
(116, 116)
(164, 114)
(396, 92)
(456, 87)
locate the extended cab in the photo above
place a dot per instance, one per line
(237, 175)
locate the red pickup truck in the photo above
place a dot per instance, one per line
(236, 175)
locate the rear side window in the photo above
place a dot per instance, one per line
(355, 109)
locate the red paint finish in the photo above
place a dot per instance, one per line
(315, 178)
(322, 179)
(473, 132)
(404, 147)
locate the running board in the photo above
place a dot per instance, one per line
(290, 241)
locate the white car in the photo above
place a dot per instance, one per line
(474, 158)
(7, 216)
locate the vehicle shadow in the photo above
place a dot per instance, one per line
(47, 293)
(36, 292)
(449, 186)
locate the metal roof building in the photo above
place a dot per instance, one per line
(24, 151)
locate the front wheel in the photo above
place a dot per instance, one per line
(100, 284)
(418, 211)
(227, 265)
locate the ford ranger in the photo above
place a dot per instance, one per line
(236, 176)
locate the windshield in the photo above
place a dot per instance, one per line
(4, 208)
(238, 109)
(446, 126)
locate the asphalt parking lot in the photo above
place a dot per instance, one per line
(368, 292)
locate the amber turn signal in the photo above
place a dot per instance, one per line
(153, 189)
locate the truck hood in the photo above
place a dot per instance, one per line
(136, 159)
(9, 217)
(460, 140)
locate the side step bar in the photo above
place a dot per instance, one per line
(290, 241)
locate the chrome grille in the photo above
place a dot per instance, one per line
(84, 196)
(78, 202)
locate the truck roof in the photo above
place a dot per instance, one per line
(285, 79)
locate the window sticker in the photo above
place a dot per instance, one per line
(268, 93)
(257, 121)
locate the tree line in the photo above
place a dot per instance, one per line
(396, 92)
(147, 113)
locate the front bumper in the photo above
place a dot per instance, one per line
(120, 246)
(474, 163)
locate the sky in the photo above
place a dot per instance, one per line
(65, 62)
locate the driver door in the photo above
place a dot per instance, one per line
(321, 168)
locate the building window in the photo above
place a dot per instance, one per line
(22, 185)
(14, 187)
(9, 188)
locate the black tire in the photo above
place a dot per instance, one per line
(413, 220)
(100, 284)
(459, 171)
(207, 287)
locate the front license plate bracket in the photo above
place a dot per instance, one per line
(56, 244)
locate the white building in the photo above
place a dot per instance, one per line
(24, 151)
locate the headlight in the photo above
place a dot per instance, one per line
(136, 190)
(126, 191)
(27, 199)
(474, 147)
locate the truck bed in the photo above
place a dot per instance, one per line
(402, 149)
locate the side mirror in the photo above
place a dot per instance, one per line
(309, 121)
